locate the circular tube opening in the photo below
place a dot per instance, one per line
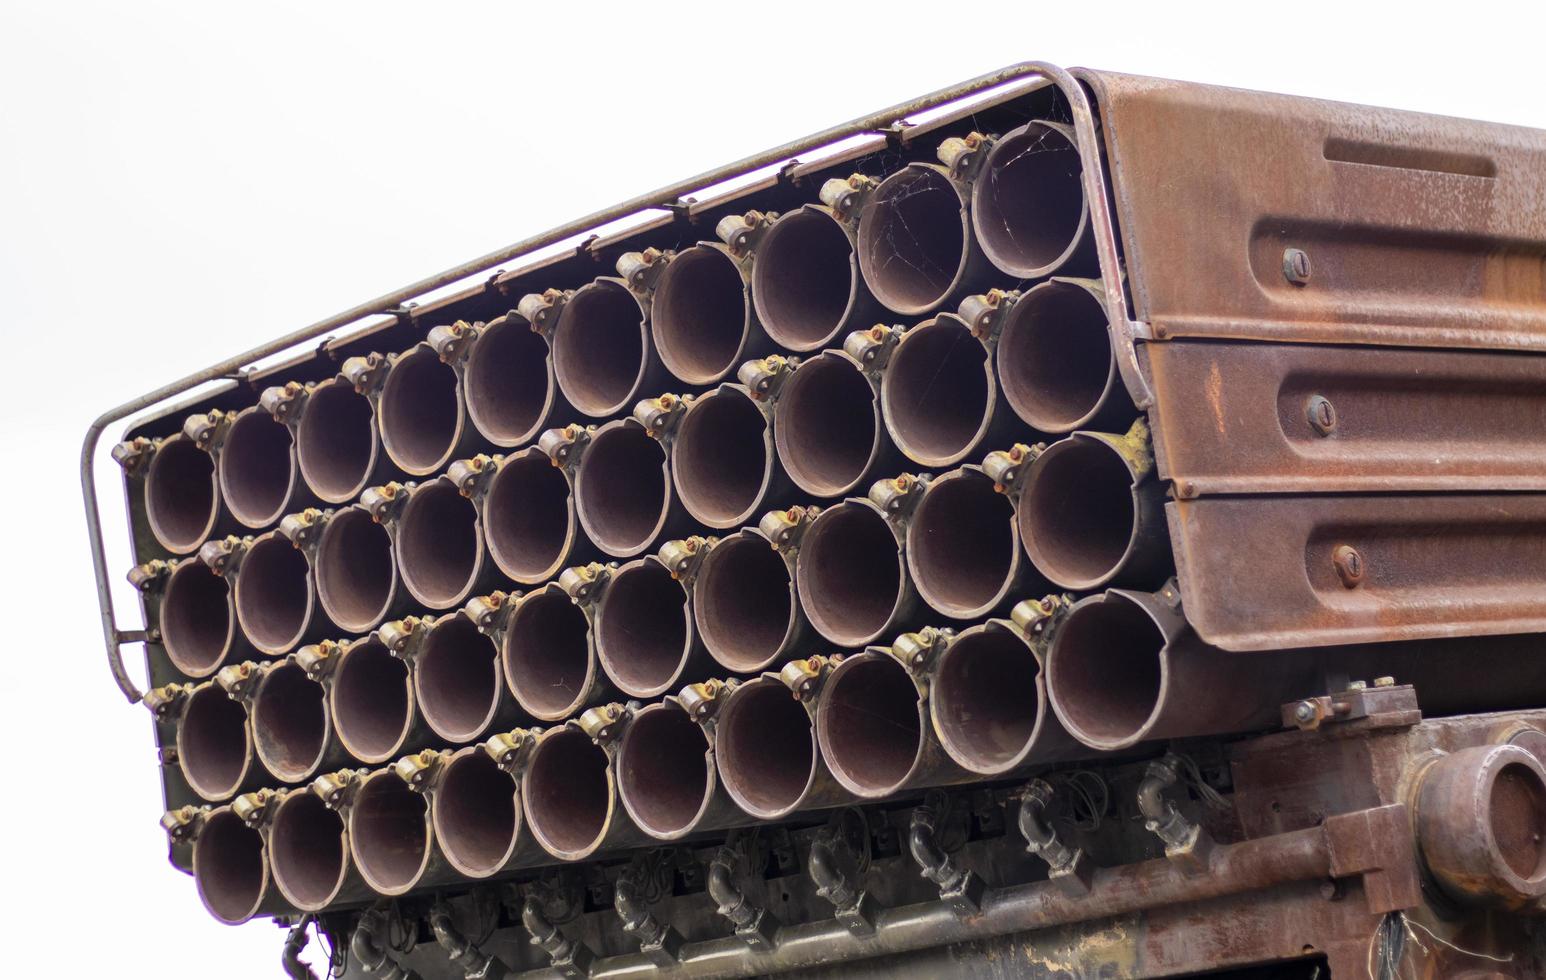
(870, 724)
(938, 392)
(1516, 814)
(229, 867)
(1076, 513)
(642, 629)
(1054, 357)
(509, 383)
(963, 548)
(827, 426)
(457, 679)
(803, 280)
(214, 746)
(663, 771)
(439, 547)
(568, 793)
(700, 316)
(274, 594)
(547, 655)
(599, 349)
(622, 490)
(985, 702)
(1028, 206)
(356, 573)
(913, 240)
(529, 518)
(850, 576)
(766, 749)
(257, 468)
(722, 459)
(743, 602)
(1105, 673)
(372, 701)
(477, 814)
(181, 497)
(289, 723)
(389, 833)
(308, 851)
(335, 441)
(196, 622)
(421, 412)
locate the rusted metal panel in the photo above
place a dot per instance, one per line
(1411, 229)
(1274, 572)
(1298, 418)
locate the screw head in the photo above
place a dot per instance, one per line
(1296, 266)
(1321, 414)
(1349, 565)
(1384, 682)
(1304, 711)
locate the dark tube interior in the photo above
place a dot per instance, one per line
(1103, 670)
(476, 813)
(826, 426)
(722, 458)
(388, 832)
(355, 570)
(547, 655)
(1516, 812)
(336, 441)
(984, 699)
(663, 770)
(509, 386)
(912, 241)
(372, 708)
(196, 619)
(642, 628)
(1054, 357)
(803, 279)
(180, 497)
(699, 315)
(528, 517)
(765, 749)
(849, 574)
(228, 867)
(744, 605)
(622, 489)
(962, 546)
(289, 722)
(307, 850)
(273, 594)
(598, 349)
(871, 731)
(212, 742)
(938, 394)
(458, 679)
(421, 412)
(257, 469)
(1076, 512)
(1028, 203)
(567, 794)
(438, 548)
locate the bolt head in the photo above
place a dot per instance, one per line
(1384, 682)
(1349, 565)
(1321, 414)
(1296, 266)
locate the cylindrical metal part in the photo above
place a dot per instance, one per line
(438, 544)
(1028, 205)
(827, 426)
(643, 629)
(723, 460)
(666, 776)
(549, 655)
(701, 316)
(765, 747)
(602, 353)
(421, 414)
(458, 682)
(569, 794)
(623, 492)
(276, 595)
(475, 807)
(356, 570)
(745, 603)
(529, 522)
(1091, 512)
(182, 495)
(938, 395)
(1481, 825)
(214, 744)
(231, 869)
(337, 444)
(292, 725)
(391, 838)
(371, 694)
(508, 382)
(915, 242)
(260, 480)
(197, 616)
(851, 574)
(963, 545)
(806, 283)
(1056, 366)
(308, 846)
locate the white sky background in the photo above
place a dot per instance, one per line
(182, 181)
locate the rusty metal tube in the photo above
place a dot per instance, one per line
(197, 617)
(231, 869)
(622, 490)
(458, 682)
(765, 747)
(548, 654)
(666, 778)
(806, 283)
(260, 480)
(292, 725)
(827, 426)
(643, 628)
(939, 397)
(507, 379)
(475, 808)
(851, 574)
(373, 703)
(1481, 823)
(357, 580)
(529, 523)
(1028, 204)
(723, 459)
(420, 412)
(963, 545)
(569, 796)
(337, 445)
(182, 495)
(308, 847)
(391, 838)
(915, 242)
(1056, 366)
(276, 594)
(701, 315)
(438, 545)
(745, 602)
(214, 743)
(602, 353)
